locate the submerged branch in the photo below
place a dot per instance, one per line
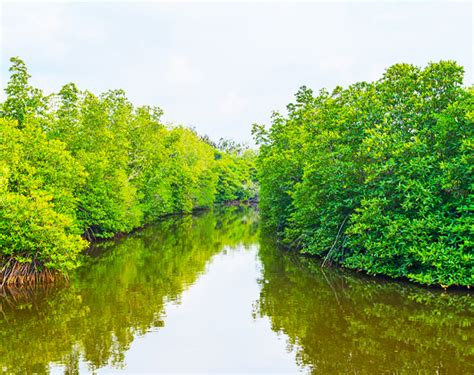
(335, 241)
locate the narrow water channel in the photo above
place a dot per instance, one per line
(211, 293)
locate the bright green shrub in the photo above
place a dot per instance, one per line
(95, 130)
(75, 164)
(148, 162)
(193, 182)
(37, 204)
(36, 163)
(416, 219)
(236, 176)
(32, 231)
(377, 176)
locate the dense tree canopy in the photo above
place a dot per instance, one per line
(74, 165)
(377, 176)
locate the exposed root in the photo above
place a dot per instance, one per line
(15, 273)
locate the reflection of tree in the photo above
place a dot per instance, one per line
(342, 323)
(118, 294)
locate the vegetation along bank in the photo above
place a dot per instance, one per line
(76, 167)
(377, 176)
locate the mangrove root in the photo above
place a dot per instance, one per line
(18, 273)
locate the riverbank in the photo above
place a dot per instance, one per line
(17, 274)
(215, 286)
(76, 166)
(377, 176)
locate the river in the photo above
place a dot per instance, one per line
(210, 292)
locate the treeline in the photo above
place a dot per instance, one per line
(377, 176)
(75, 167)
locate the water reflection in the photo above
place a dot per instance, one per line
(122, 310)
(118, 295)
(339, 322)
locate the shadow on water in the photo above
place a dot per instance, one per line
(334, 321)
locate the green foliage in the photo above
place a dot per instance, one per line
(33, 232)
(23, 100)
(237, 176)
(38, 178)
(75, 164)
(377, 176)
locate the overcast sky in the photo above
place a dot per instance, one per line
(222, 66)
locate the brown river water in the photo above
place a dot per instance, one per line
(212, 293)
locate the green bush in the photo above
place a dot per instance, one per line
(75, 165)
(38, 178)
(377, 176)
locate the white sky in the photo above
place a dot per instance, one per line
(222, 66)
